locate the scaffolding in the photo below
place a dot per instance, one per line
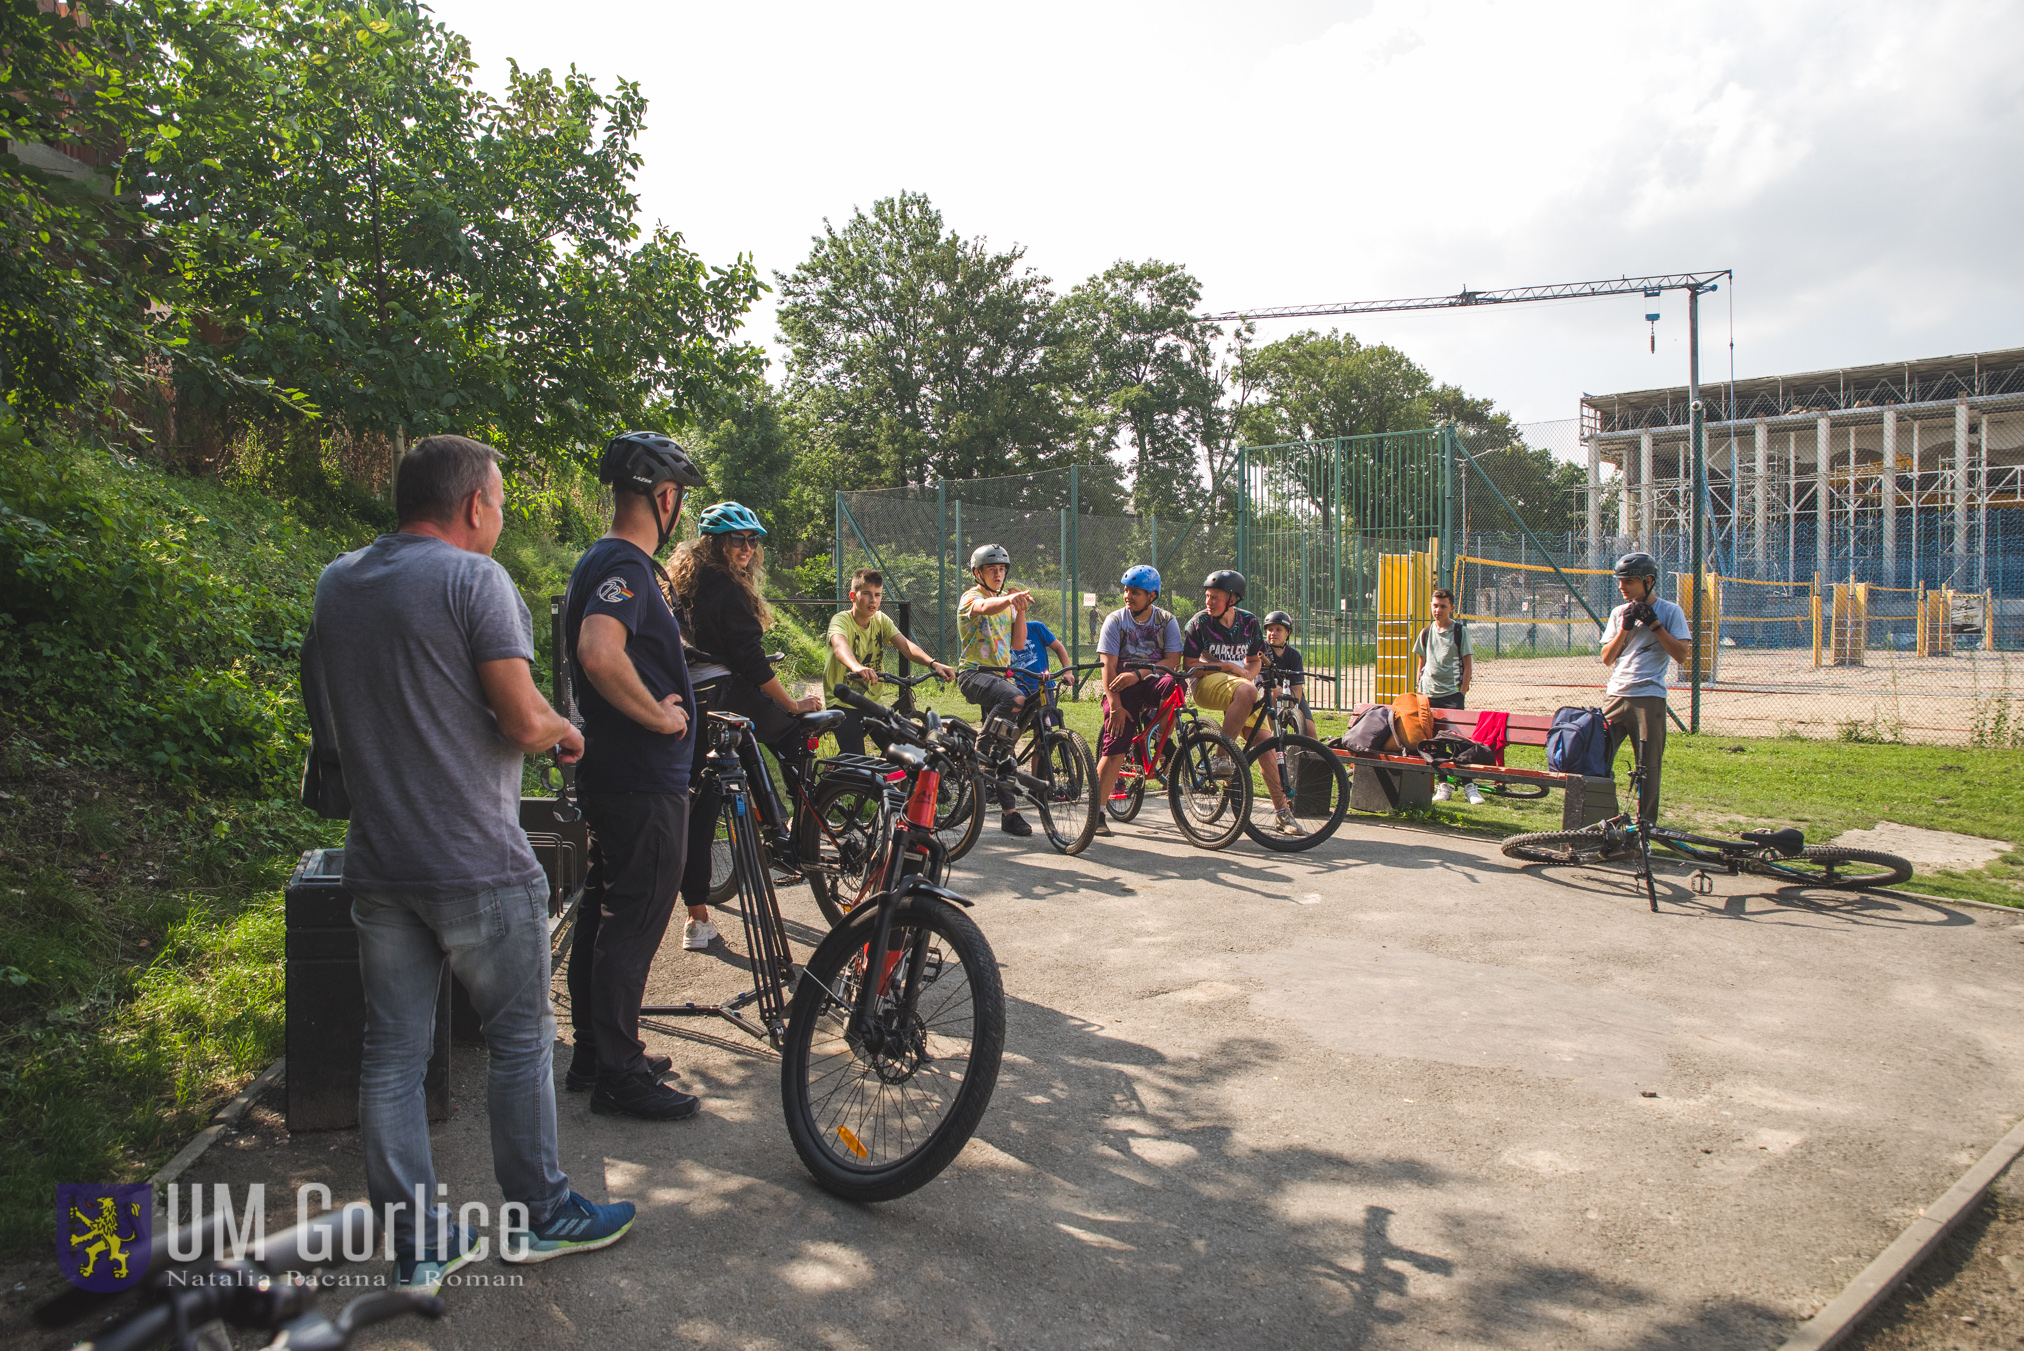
(1907, 475)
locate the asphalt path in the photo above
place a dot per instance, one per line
(1398, 1092)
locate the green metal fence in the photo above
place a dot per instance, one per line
(1306, 523)
(1314, 518)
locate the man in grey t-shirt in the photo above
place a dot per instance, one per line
(1643, 635)
(425, 646)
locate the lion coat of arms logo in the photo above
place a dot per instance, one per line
(103, 1233)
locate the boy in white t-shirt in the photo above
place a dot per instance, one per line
(1644, 634)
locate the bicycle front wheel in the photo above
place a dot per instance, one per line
(879, 1111)
(1068, 808)
(1590, 844)
(839, 843)
(1207, 791)
(1314, 791)
(959, 812)
(1825, 865)
(723, 871)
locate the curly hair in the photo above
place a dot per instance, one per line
(695, 559)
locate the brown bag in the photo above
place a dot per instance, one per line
(1412, 719)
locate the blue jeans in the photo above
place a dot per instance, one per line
(497, 944)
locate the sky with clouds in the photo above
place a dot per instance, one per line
(1854, 162)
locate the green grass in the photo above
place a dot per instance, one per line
(1822, 787)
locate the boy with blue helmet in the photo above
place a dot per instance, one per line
(1140, 631)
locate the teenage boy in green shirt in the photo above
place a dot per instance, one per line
(858, 639)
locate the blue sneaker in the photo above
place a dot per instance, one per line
(578, 1226)
(427, 1272)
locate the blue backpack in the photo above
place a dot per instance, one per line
(1578, 742)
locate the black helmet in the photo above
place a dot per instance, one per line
(1638, 564)
(639, 462)
(1279, 617)
(987, 554)
(1224, 579)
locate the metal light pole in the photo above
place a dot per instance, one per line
(1696, 420)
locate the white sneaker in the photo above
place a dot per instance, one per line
(1288, 823)
(1443, 791)
(1222, 766)
(698, 934)
(1475, 798)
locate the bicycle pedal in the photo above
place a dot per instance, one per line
(1702, 884)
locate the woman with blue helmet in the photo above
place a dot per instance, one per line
(1139, 632)
(719, 579)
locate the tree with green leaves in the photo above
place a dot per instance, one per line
(1143, 370)
(355, 220)
(81, 283)
(921, 354)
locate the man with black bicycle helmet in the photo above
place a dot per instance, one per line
(1223, 650)
(637, 702)
(1643, 635)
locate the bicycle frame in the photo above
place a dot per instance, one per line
(1147, 749)
(765, 933)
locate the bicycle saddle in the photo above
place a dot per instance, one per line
(907, 757)
(1787, 842)
(815, 724)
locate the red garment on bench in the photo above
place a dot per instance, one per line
(1492, 731)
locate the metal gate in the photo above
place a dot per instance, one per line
(1316, 521)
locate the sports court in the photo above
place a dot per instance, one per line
(1390, 1093)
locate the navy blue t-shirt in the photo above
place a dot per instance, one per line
(615, 577)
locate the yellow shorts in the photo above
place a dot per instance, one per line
(1215, 690)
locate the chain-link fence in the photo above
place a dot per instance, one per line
(1502, 516)
(1790, 651)
(1068, 555)
(1307, 523)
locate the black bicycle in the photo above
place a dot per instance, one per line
(787, 833)
(891, 1043)
(1783, 854)
(1299, 787)
(180, 1300)
(1030, 752)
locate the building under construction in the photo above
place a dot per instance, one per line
(1907, 475)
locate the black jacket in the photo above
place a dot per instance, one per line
(720, 624)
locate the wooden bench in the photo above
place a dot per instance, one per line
(1395, 783)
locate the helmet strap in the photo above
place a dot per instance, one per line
(667, 527)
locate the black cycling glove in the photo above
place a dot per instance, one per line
(1641, 613)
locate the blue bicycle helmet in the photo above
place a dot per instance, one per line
(725, 517)
(1144, 576)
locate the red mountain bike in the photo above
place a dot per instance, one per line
(1208, 784)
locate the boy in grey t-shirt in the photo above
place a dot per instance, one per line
(1447, 665)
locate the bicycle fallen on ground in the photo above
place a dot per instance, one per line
(1782, 854)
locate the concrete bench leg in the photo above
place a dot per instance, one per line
(1589, 798)
(1385, 790)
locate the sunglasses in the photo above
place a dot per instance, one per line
(746, 540)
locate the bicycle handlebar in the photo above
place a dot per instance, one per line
(891, 719)
(907, 682)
